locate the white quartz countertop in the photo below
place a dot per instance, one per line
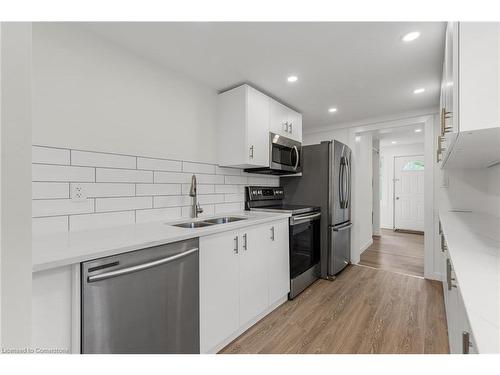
(61, 249)
(473, 241)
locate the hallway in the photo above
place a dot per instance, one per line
(363, 311)
(397, 252)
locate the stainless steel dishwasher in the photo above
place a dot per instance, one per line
(144, 301)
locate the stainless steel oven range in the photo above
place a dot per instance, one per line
(304, 229)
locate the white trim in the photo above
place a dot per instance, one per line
(361, 250)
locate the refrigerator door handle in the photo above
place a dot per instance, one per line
(341, 227)
(348, 184)
(341, 183)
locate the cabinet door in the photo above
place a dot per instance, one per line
(253, 273)
(219, 294)
(257, 128)
(294, 125)
(278, 123)
(278, 264)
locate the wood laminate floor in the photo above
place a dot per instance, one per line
(396, 251)
(364, 310)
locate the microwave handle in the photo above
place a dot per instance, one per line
(297, 160)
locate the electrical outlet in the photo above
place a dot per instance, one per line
(78, 192)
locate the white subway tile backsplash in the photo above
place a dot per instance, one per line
(236, 180)
(158, 214)
(126, 189)
(211, 199)
(50, 190)
(61, 173)
(56, 207)
(158, 189)
(172, 201)
(209, 179)
(230, 198)
(200, 189)
(49, 155)
(123, 175)
(227, 208)
(123, 204)
(171, 178)
(98, 159)
(101, 220)
(230, 189)
(102, 190)
(198, 167)
(228, 171)
(159, 164)
(48, 225)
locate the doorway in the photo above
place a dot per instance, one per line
(408, 199)
(398, 166)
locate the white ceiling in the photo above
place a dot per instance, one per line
(361, 68)
(401, 135)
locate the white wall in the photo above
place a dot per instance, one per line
(387, 155)
(93, 95)
(363, 192)
(15, 168)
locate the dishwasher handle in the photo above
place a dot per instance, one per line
(139, 267)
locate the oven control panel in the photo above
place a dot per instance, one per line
(258, 193)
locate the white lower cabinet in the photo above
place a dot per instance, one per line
(460, 336)
(243, 275)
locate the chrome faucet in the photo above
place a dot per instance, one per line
(192, 193)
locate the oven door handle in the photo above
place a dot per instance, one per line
(294, 220)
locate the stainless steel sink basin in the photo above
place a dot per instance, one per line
(208, 222)
(224, 220)
(194, 224)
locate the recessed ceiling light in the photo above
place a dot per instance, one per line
(410, 37)
(332, 110)
(394, 142)
(419, 91)
(292, 79)
(418, 130)
(449, 83)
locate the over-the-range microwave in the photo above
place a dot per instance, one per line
(285, 157)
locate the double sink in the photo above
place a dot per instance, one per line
(208, 222)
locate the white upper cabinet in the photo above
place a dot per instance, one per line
(470, 96)
(245, 118)
(285, 121)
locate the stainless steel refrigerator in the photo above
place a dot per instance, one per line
(326, 182)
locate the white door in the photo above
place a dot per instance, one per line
(409, 192)
(279, 265)
(219, 289)
(254, 283)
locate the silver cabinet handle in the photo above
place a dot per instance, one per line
(449, 279)
(272, 233)
(285, 126)
(290, 127)
(466, 342)
(245, 242)
(236, 245)
(251, 151)
(139, 267)
(444, 247)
